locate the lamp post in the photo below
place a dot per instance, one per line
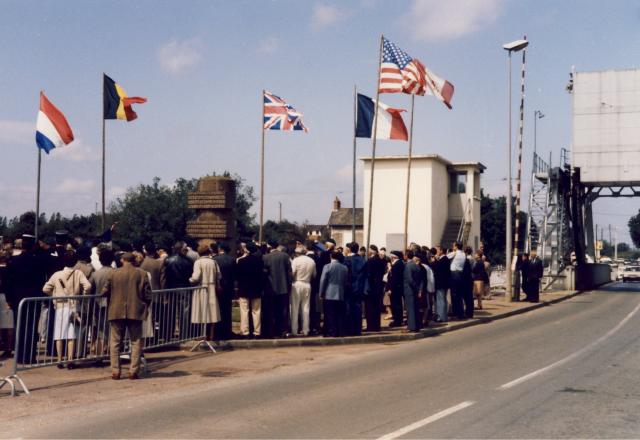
(514, 46)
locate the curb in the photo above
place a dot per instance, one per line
(379, 337)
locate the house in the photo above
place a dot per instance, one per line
(341, 224)
(444, 201)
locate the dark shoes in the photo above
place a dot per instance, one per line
(134, 376)
(115, 376)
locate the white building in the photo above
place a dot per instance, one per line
(444, 201)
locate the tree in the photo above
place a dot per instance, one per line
(634, 229)
(493, 226)
(147, 212)
(283, 232)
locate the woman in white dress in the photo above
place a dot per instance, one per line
(66, 282)
(204, 303)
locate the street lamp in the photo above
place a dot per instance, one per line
(514, 46)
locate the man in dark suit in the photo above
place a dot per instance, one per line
(314, 304)
(129, 295)
(395, 284)
(534, 273)
(277, 266)
(375, 269)
(227, 266)
(333, 284)
(26, 274)
(354, 295)
(177, 271)
(413, 288)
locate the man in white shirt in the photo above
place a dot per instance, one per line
(458, 260)
(303, 272)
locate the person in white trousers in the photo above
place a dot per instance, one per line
(303, 272)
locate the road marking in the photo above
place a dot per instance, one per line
(572, 356)
(426, 421)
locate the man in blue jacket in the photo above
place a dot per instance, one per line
(356, 265)
(333, 283)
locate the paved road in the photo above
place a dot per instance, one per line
(564, 371)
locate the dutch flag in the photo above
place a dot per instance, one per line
(52, 128)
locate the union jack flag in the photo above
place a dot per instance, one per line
(278, 115)
(399, 73)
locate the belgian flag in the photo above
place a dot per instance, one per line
(117, 105)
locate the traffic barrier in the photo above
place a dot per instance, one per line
(73, 329)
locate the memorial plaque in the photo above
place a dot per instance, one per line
(215, 220)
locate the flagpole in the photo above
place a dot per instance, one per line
(38, 193)
(104, 156)
(373, 144)
(409, 157)
(261, 173)
(355, 127)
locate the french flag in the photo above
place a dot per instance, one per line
(52, 128)
(390, 123)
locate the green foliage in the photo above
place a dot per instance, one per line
(147, 212)
(493, 227)
(284, 232)
(634, 229)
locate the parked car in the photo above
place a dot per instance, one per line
(631, 273)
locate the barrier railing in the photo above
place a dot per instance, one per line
(65, 330)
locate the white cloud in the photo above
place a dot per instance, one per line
(70, 185)
(432, 20)
(325, 16)
(179, 56)
(77, 151)
(17, 132)
(269, 46)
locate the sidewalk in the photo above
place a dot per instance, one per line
(174, 368)
(493, 309)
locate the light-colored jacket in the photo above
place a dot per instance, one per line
(303, 269)
(333, 281)
(206, 272)
(67, 282)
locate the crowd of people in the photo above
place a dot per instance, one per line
(282, 289)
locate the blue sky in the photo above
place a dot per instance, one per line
(202, 66)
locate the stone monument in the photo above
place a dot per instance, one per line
(215, 220)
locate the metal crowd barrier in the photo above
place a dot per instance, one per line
(77, 327)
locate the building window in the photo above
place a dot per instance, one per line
(458, 183)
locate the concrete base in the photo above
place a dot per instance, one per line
(590, 276)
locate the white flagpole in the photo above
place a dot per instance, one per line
(355, 127)
(409, 156)
(261, 173)
(38, 193)
(373, 145)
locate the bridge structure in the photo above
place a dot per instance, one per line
(604, 161)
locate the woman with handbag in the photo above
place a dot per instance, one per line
(64, 283)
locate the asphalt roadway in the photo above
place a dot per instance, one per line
(571, 370)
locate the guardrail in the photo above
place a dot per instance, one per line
(63, 330)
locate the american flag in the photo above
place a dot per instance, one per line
(278, 115)
(399, 73)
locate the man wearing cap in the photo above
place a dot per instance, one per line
(26, 274)
(374, 269)
(303, 271)
(129, 295)
(277, 265)
(395, 283)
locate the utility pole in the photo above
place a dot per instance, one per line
(280, 216)
(615, 245)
